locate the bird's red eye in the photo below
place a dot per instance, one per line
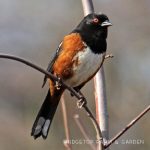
(95, 21)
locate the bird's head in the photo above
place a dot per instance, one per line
(93, 30)
(94, 24)
(94, 20)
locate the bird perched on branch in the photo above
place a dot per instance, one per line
(77, 60)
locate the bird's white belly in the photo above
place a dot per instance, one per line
(88, 63)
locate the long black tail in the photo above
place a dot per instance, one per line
(45, 116)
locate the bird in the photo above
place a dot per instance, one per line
(77, 59)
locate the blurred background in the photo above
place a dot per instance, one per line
(33, 29)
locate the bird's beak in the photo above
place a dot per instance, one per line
(106, 24)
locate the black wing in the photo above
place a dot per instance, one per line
(51, 63)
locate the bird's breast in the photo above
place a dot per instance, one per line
(85, 65)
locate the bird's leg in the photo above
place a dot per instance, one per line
(57, 83)
(104, 56)
(77, 89)
(82, 101)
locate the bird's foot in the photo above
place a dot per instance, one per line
(109, 56)
(58, 84)
(81, 102)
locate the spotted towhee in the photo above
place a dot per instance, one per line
(76, 61)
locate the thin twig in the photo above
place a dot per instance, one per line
(64, 112)
(84, 132)
(96, 125)
(127, 127)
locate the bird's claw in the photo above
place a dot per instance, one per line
(109, 56)
(58, 84)
(81, 102)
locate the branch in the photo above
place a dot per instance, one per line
(127, 127)
(98, 131)
(78, 95)
(48, 74)
(83, 130)
(64, 112)
(87, 6)
(101, 103)
(87, 9)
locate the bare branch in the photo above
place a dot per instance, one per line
(64, 112)
(127, 127)
(83, 130)
(87, 7)
(101, 103)
(99, 78)
(78, 96)
(54, 78)
(48, 74)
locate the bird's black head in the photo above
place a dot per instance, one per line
(93, 30)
